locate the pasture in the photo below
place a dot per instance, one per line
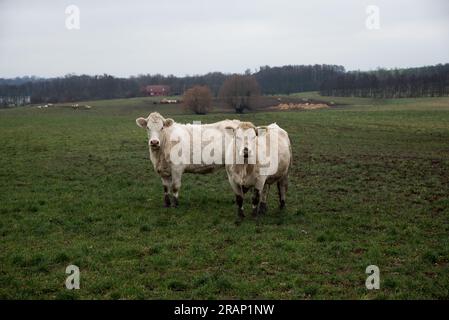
(369, 185)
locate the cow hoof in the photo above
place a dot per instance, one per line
(282, 205)
(175, 202)
(255, 212)
(167, 203)
(262, 208)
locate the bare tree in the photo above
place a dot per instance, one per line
(240, 92)
(198, 99)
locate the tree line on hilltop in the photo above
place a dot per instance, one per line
(430, 81)
(271, 80)
(328, 79)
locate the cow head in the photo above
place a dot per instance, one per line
(155, 125)
(245, 139)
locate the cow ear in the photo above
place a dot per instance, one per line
(168, 122)
(141, 122)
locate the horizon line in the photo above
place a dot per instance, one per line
(216, 71)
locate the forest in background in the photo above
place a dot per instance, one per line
(327, 79)
(430, 81)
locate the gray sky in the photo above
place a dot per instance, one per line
(182, 37)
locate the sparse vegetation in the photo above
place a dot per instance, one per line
(198, 99)
(241, 92)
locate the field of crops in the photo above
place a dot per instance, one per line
(369, 186)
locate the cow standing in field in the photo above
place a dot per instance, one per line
(251, 172)
(164, 138)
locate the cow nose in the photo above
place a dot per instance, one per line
(154, 142)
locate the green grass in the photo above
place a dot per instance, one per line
(369, 185)
(380, 104)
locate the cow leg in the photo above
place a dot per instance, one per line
(175, 193)
(166, 182)
(176, 185)
(256, 200)
(282, 190)
(239, 202)
(238, 198)
(263, 200)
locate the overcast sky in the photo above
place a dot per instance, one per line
(182, 37)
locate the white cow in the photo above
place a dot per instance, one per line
(256, 174)
(161, 132)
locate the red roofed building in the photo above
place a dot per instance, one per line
(157, 90)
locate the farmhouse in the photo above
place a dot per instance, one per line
(157, 90)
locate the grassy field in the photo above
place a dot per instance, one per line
(369, 185)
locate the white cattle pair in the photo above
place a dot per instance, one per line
(253, 156)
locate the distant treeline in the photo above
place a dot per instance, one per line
(328, 79)
(431, 81)
(272, 80)
(291, 79)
